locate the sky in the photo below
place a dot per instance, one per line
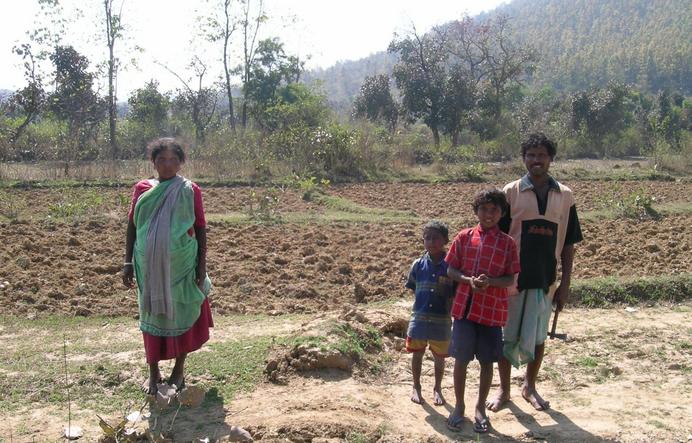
(322, 32)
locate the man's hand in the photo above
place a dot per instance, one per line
(561, 296)
(129, 276)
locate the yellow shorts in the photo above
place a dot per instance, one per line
(437, 347)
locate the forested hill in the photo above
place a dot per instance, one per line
(586, 42)
(582, 43)
(341, 82)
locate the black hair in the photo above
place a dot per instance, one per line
(491, 195)
(159, 145)
(438, 226)
(536, 140)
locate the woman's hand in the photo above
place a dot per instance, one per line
(129, 276)
(201, 274)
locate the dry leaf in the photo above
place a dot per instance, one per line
(108, 430)
(191, 396)
(73, 432)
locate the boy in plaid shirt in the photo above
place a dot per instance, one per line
(484, 261)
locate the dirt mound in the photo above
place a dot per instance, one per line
(338, 342)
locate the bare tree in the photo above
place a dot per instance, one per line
(221, 28)
(113, 33)
(200, 103)
(250, 24)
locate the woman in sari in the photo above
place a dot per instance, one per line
(165, 254)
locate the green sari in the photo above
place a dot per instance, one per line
(183, 295)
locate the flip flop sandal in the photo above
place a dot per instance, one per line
(481, 426)
(455, 424)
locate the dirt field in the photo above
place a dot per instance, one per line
(71, 267)
(622, 376)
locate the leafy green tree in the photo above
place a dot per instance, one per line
(250, 23)
(74, 100)
(376, 103)
(296, 105)
(421, 76)
(30, 100)
(147, 118)
(599, 112)
(272, 68)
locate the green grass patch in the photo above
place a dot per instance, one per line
(356, 342)
(587, 361)
(608, 291)
(231, 366)
(344, 205)
(634, 211)
(105, 364)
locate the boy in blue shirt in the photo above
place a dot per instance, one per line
(430, 323)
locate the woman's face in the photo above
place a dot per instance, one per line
(167, 164)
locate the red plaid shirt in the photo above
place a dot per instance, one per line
(476, 251)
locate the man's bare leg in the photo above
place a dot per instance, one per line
(416, 367)
(438, 399)
(528, 390)
(504, 367)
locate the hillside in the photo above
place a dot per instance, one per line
(582, 43)
(586, 42)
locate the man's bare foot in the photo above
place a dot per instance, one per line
(498, 401)
(531, 396)
(416, 396)
(438, 399)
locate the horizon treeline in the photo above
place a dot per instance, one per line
(466, 91)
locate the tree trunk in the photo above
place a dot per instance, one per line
(112, 100)
(455, 138)
(227, 36)
(436, 136)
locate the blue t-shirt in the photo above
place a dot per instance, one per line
(434, 293)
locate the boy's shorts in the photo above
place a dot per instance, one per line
(470, 339)
(439, 348)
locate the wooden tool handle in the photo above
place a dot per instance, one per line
(554, 327)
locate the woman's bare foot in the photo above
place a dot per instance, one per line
(177, 377)
(438, 399)
(149, 386)
(531, 396)
(498, 401)
(416, 395)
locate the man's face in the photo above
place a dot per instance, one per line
(537, 161)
